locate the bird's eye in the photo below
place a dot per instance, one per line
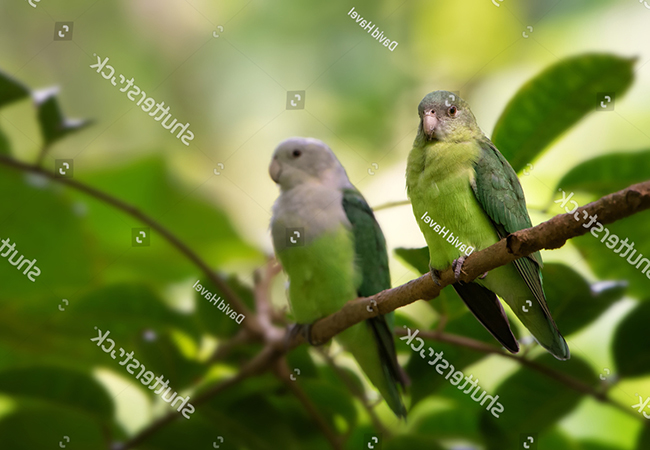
(296, 153)
(452, 111)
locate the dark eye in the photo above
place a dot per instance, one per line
(452, 111)
(296, 153)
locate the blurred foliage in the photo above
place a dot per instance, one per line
(48, 364)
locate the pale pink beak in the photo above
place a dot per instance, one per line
(429, 122)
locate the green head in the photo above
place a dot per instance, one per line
(444, 116)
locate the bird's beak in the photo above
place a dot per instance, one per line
(274, 170)
(429, 122)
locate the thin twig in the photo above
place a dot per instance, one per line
(482, 347)
(223, 287)
(391, 205)
(260, 363)
(354, 390)
(283, 373)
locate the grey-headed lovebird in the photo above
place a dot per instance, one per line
(332, 249)
(466, 196)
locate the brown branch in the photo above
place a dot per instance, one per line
(551, 234)
(283, 373)
(229, 294)
(482, 347)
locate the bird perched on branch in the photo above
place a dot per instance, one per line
(457, 179)
(332, 249)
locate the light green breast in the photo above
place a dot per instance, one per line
(323, 275)
(438, 179)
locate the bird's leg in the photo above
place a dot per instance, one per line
(483, 276)
(303, 329)
(458, 266)
(435, 275)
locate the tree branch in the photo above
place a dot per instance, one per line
(551, 234)
(228, 293)
(282, 372)
(260, 363)
(482, 347)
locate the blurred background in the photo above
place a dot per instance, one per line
(227, 68)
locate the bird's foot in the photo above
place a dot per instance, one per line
(457, 265)
(435, 275)
(300, 329)
(482, 277)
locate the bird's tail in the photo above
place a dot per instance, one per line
(371, 343)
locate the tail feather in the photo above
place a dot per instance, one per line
(487, 308)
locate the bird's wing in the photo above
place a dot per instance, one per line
(499, 193)
(372, 260)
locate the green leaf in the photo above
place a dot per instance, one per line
(35, 330)
(59, 387)
(150, 187)
(630, 344)
(644, 439)
(412, 441)
(45, 226)
(450, 422)
(553, 101)
(54, 125)
(5, 145)
(11, 90)
(32, 428)
(330, 400)
(599, 248)
(567, 292)
(533, 402)
(604, 175)
(416, 258)
(608, 173)
(425, 379)
(593, 445)
(214, 320)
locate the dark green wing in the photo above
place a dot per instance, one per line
(372, 260)
(499, 192)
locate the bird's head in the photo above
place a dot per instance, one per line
(300, 160)
(444, 116)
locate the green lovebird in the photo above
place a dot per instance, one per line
(332, 249)
(466, 196)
